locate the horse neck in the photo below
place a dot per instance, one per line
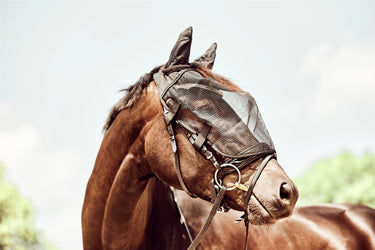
(121, 183)
(139, 211)
(141, 215)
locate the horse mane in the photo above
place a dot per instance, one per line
(134, 91)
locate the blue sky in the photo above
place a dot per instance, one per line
(309, 64)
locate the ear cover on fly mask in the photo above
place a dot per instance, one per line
(208, 58)
(181, 50)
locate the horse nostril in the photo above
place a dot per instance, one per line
(285, 191)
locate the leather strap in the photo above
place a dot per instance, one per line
(182, 217)
(250, 192)
(177, 161)
(218, 200)
(247, 232)
(173, 108)
(255, 178)
(198, 143)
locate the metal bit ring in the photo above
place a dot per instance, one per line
(227, 165)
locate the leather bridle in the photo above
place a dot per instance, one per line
(217, 188)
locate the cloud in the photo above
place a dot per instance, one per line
(18, 143)
(330, 108)
(334, 82)
(344, 76)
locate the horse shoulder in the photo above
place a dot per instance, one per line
(328, 226)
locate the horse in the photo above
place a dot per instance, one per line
(166, 142)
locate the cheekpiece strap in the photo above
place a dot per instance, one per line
(177, 161)
(202, 136)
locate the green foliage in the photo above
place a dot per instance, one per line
(17, 230)
(341, 179)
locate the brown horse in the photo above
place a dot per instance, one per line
(328, 226)
(129, 203)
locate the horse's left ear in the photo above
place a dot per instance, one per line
(208, 58)
(181, 50)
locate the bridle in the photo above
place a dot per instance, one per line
(217, 187)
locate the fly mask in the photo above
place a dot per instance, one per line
(214, 118)
(236, 127)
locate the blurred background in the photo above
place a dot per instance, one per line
(309, 64)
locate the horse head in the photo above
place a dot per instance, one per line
(221, 139)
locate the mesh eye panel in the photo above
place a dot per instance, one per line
(237, 128)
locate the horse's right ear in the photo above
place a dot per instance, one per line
(181, 50)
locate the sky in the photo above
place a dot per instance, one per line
(309, 64)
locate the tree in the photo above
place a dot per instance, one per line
(17, 231)
(341, 179)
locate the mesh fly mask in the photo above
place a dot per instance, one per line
(214, 118)
(236, 127)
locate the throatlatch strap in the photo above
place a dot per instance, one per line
(182, 217)
(218, 200)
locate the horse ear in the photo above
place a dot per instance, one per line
(181, 50)
(208, 58)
